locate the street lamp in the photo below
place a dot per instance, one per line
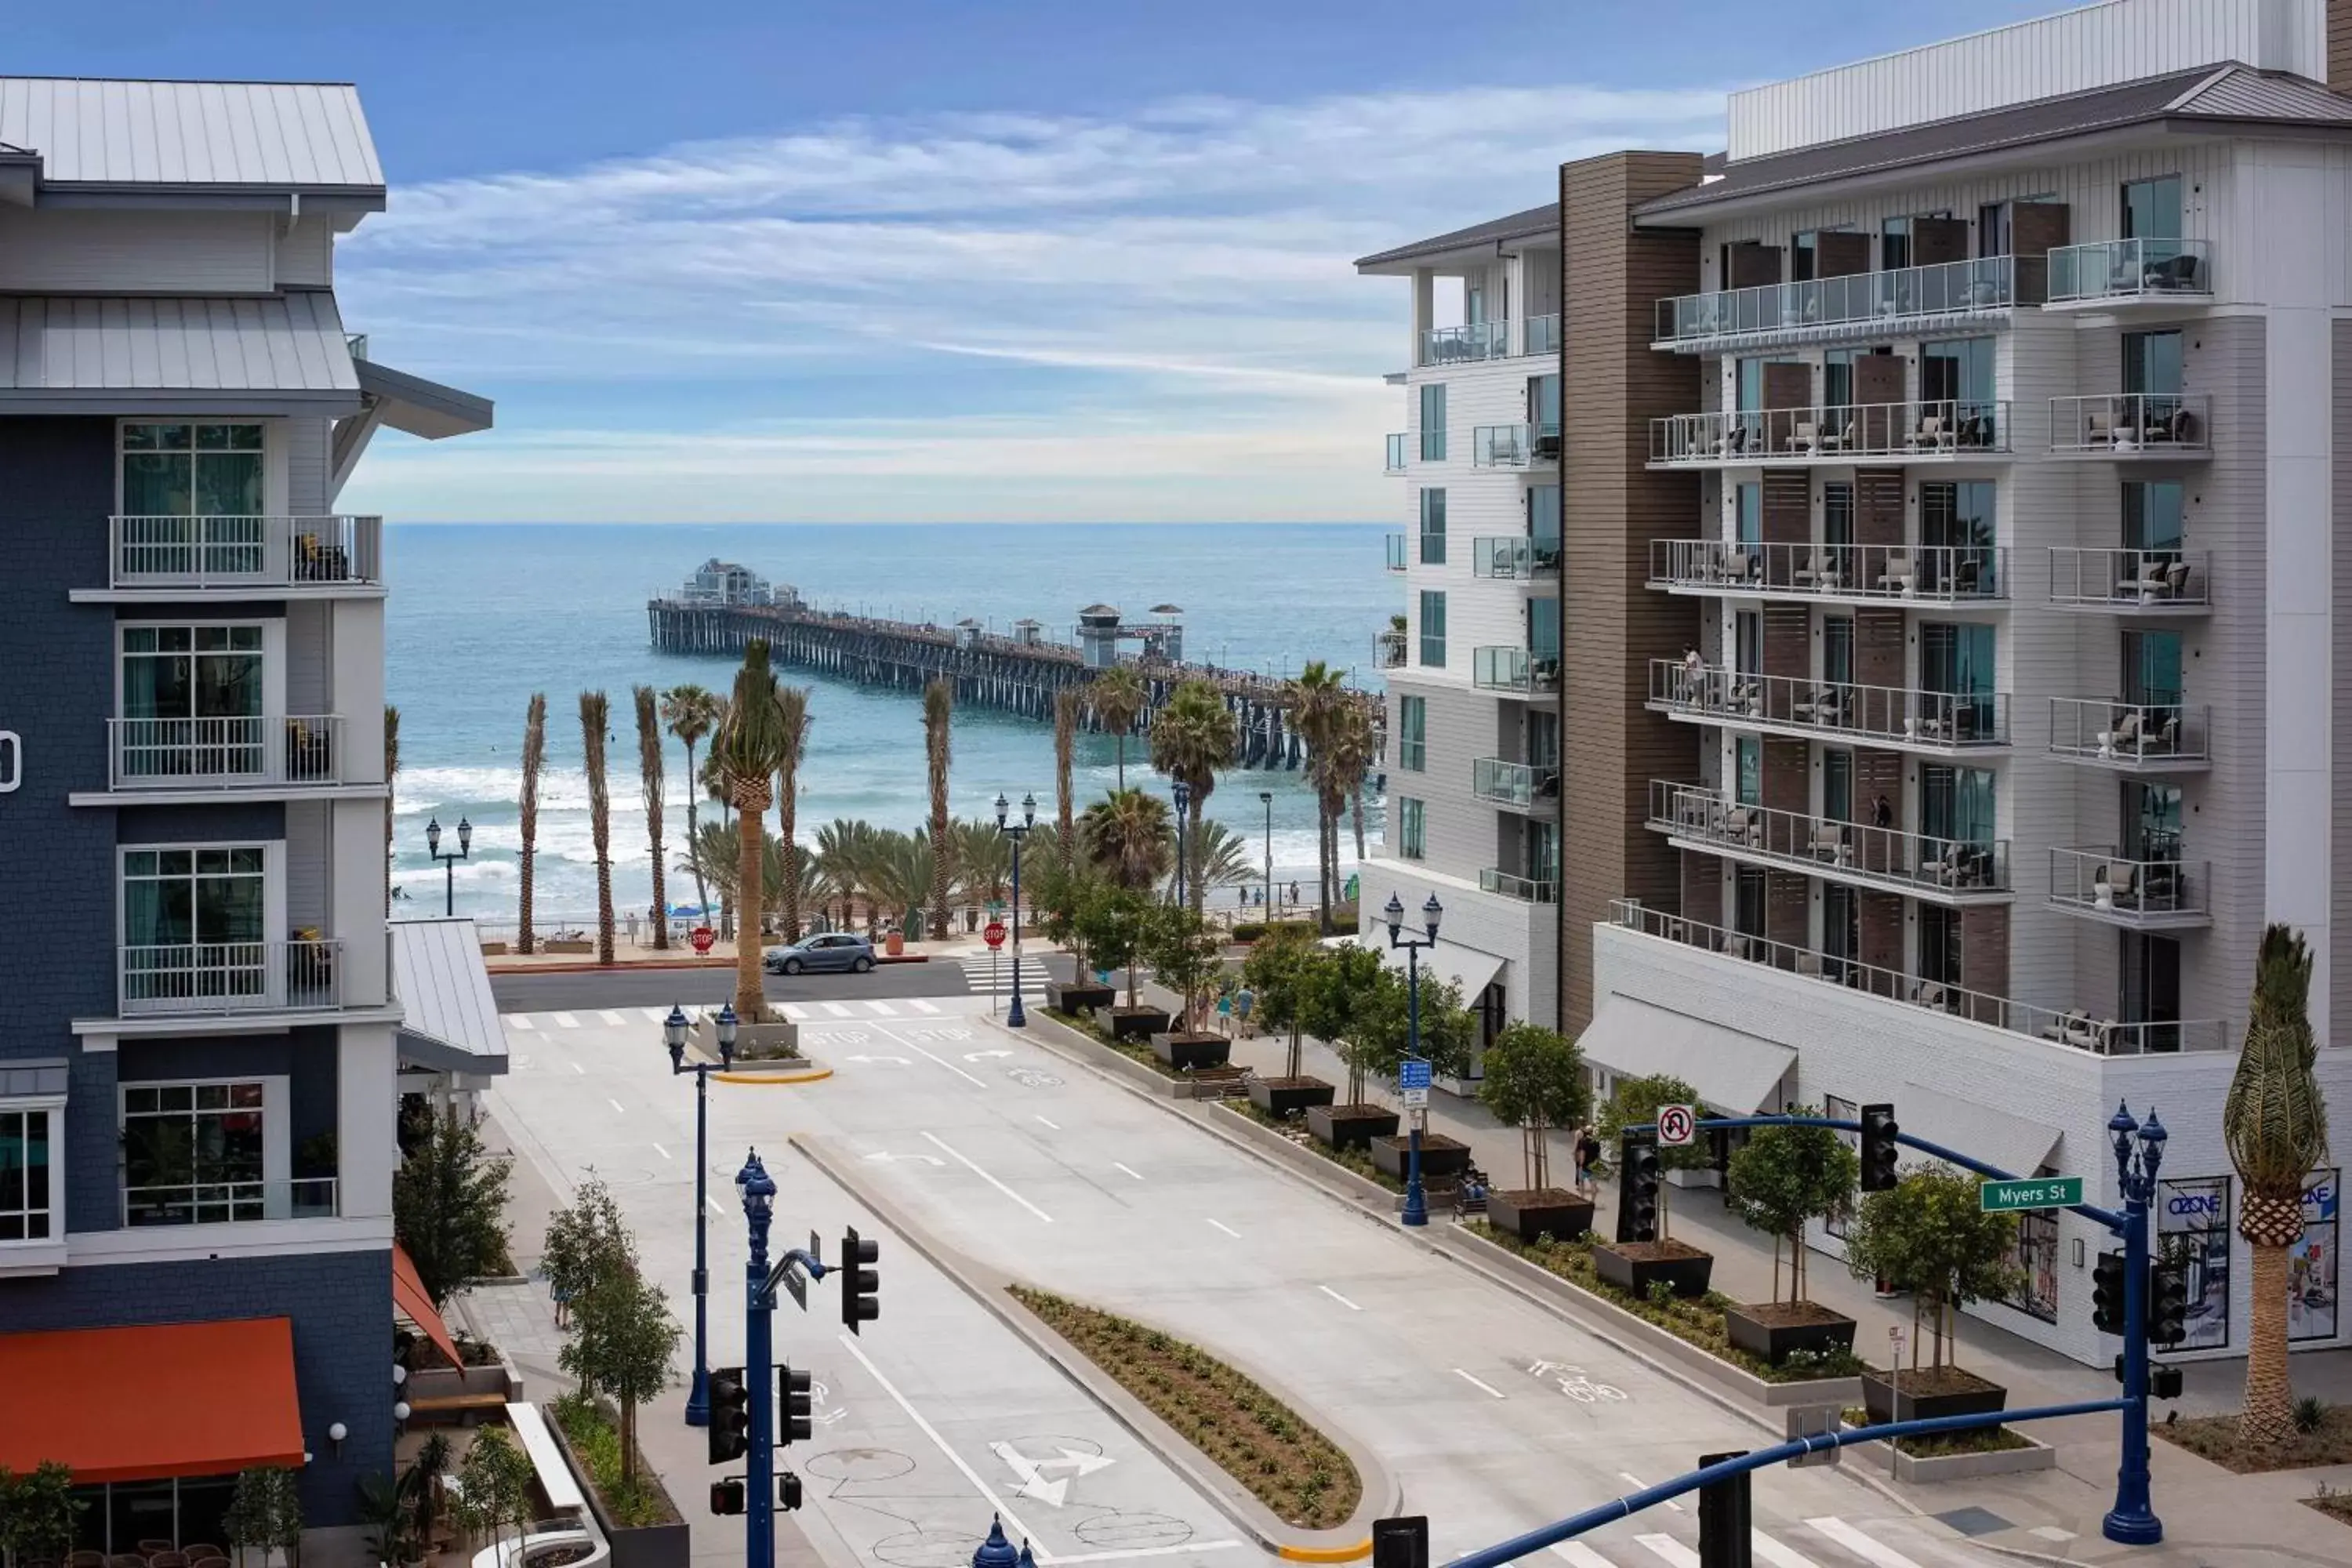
(758, 1191)
(1183, 794)
(2133, 1521)
(1018, 831)
(1266, 799)
(1416, 1201)
(674, 1029)
(449, 862)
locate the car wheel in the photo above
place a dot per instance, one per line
(862, 964)
(791, 966)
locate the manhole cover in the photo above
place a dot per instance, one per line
(625, 1178)
(1974, 1520)
(859, 1464)
(925, 1549)
(1119, 1531)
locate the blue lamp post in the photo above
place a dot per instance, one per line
(674, 1029)
(759, 1193)
(1183, 794)
(2133, 1521)
(1416, 1201)
(448, 862)
(1017, 831)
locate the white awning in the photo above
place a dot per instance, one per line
(1734, 1073)
(1998, 1137)
(1467, 969)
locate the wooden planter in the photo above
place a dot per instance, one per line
(1133, 1023)
(1947, 1392)
(634, 1546)
(1284, 1098)
(1532, 1214)
(1774, 1331)
(1192, 1049)
(1634, 1266)
(1440, 1156)
(1077, 996)
(568, 948)
(1349, 1126)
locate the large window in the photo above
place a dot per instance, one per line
(1837, 784)
(2152, 821)
(1543, 517)
(1939, 944)
(1958, 369)
(1433, 528)
(1433, 628)
(1994, 234)
(2152, 672)
(193, 923)
(194, 1154)
(1543, 403)
(28, 1167)
(2037, 1264)
(192, 700)
(1747, 642)
(2153, 515)
(1413, 733)
(1956, 660)
(1837, 513)
(1841, 935)
(1543, 738)
(1748, 761)
(1957, 525)
(1543, 628)
(1433, 422)
(1747, 504)
(192, 470)
(2151, 988)
(1957, 804)
(113, 1518)
(2151, 208)
(2152, 363)
(1748, 894)
(2192, 1222)
(1410, 828)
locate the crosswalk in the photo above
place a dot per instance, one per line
(991, 974)
(798, 1011)
(1824, 1542)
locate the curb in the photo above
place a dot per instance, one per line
(655, 965)
(1383, 1494)
(765, 1080)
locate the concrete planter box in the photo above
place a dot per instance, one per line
(1886, 1400)
(1190, 1050)
(572, 949)
(1533, 1214)
(634, 1546)
(1348, 1126)
(1287, 1097)
(1077, 996)
(756, 1044)
(1775, 1341)
(1686, 1275)
(1134, 1023)
(444, 1382)
(494, 950)
(1439, 1156)
(2034, 1455)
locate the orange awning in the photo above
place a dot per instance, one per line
(408, 1294)
(140, 1404)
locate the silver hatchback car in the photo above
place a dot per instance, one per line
(826, 950)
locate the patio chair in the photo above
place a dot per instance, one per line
(2124, 737)
(1899, 577)
(1829, 844)
(149, 1547)
(2095, 431)
(1809, 965)
(1803, 437)
(1933, 434)
(2175, 579)
(2151, 583)
(2165, 740)
(1744, 823)
(1930, 993)
(85, 1560)
(196, 1551)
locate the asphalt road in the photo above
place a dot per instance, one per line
(632, 988)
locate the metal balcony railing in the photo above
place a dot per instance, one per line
(2132, 425)
(2073, 1028)
(2159, 581)
(2129, 735)
(1831, 432)
(1543, 334)
(1514, 446)
(1508, 668)
(2130, 269)
(1466, 345)
(1859, 303)
(1395, 543)
(1513, 784)
(246, 551)
(1853, 851)
(1396, 452)
(1891, 715)
(231, 1202)
(206, 977)
(1511, 885)
(256, 752)
(1387, 650)
(1943, 574)
(2094, 879)
(1513, 555)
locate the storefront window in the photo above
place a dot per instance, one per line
(1837, 1109)
(2192, 1219)
(2037, 1265)
(2311, 1263)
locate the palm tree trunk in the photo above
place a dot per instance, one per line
(693, 789)
(534, 759)
(595, 715)
(1356, 810)
(787, 784)
(1189, 849)
(650, 778)
(1122, 765)
(2269, 1396)
(1327, 849)
(750, 811)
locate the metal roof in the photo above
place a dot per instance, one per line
(274, 135)
(191, 354)
(445, 995)
(422, 407)
(1527, 224)
(2214, 95)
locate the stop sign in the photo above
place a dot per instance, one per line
(702, 937)
(993, 934)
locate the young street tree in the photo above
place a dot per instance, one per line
(623, 1337)
(266, 1510)
(1110, 925)
(1535, 1079)
(37, 1510)
(1634, 1103)
(1277, 971)
(1186, 955)
(585, 1241)
(1785, 1178)
(1928, 1235)
(449, 1205)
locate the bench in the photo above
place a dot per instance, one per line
(464, 1407)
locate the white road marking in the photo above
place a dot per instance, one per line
(1779, 1553)
(662, 1151)
(521, 1021)
(938, 1142)
(653, 1015)
(1049, 1122)
(716, 1207)
(795, 1012)
(838, 1009)
(1639, 1485)
(564, 1020)
(985, 1490)
(1581, 1554)
(920, 1005)
(1182, 1548)
(1476, 1383)
(1333, 1294)
(1229, 1230)
(882, 1009)
(575, 1066)
(1861, 1545)
(1673, 1550)
(611, 1020)
(1137, 1174)
(618, 1107)
(898, 1038)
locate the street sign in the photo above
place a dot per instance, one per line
(1677, 1126)
(993, 934)
(1416, 1099)
(702, 937)
(2029, 1193)
(1413, 1073)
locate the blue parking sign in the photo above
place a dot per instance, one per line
(1413, 1073)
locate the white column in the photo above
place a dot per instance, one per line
(355, 900)
(367, 1106)
(355, 684)
(1424, 310)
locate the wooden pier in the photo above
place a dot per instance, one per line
(1019, 675)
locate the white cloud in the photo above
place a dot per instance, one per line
(1171, 296)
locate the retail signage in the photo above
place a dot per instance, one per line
(12, 762)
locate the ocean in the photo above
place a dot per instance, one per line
(482, 616)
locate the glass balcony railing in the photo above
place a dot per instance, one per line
(2131, 736)
(1506, 669)
(2160, 582)
(229, 1202)
(1945, 574)
(1831, 432)
(2096, 881)
(1511, 885)
(1856, 852)
(1395, 543)
(1396, 440)
(2131, 425)
(2130, 269)
(1890, 715)
(1387, 650)
(1543, 334)
(1514, 446)
(1466, 345)
(1513, 556)
(1859, 303)
(1513, 784)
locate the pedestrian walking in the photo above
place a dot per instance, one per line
(1225, 1013)
(1588, 1158)
(1244, 1002)
(632, 923)
(1293, 892)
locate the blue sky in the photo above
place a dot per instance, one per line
(912, 260)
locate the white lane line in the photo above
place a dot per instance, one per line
(1478, 1383)
(795, 1012)
(894, 1038)
(618, 1107)
(1333, 1294)
(1048, 1122)
(1581, 1554)
(662, 1151)
(1667, 1547)
(564, 1020)
(882, 1009)
(1182, 1548)
(1861, 1545)
(1137, 1174)
(716, 1207)
(653, 1015)
(521, 1021)
(1638, 1484)
(920, 1005)
(938, 1142)
(611, 1020)
(932, 1432)
(575, 1066)
(1780, 1554)
(837, 1009)
(1221, 1224)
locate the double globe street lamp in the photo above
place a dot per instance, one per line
(448, 862)
(1014, 1017)
(674, 1032)
(1183, 794)
(1416, 1201)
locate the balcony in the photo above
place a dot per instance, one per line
(2076, 1029)
(1395, 545)
(2130, 737)
(1543, 334)
(246, 553)
(1514, 446)
(253, 753)
(2145, 895)
(1520, 785)
(1832, 433)
(2152, 582)
(1833, 573)
(1466, 345)
(2169, 425)
(1942, 870)
(1508, 668)
(1513, 557)
(1387, 650)
(231, 1202)
(1396, 453)
(1511, 885)
(1934, 723)
(213, 977)
(1827, 310)
(2121, 272)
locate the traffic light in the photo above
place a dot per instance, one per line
(727, 1496)
(861, 1288)
(2107, 1293)
(788, 1491)
(2163, 1382)
(793, 1397)
(1400, 1543)
(1724, 1517)
(730, 1415)
(2168, 1301)
(1878, 1147)
(1637, 1187)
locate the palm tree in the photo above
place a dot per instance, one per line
(938, 710)
(534, 763)
(845, 852)
(391, 771)
(1194, 736)
(595, 715)
(1315, 700)
(795, 700)
(1127, 834)
(750, 745)
(1353, 748)
(2276, 1128)
(901, 871)
(983, 860)
(649, 776)
(1067, 703)
(1220, 858)
(691, 712)
(1118, 695)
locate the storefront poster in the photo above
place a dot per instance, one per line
(2311, 1263)
(2193, 1221)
